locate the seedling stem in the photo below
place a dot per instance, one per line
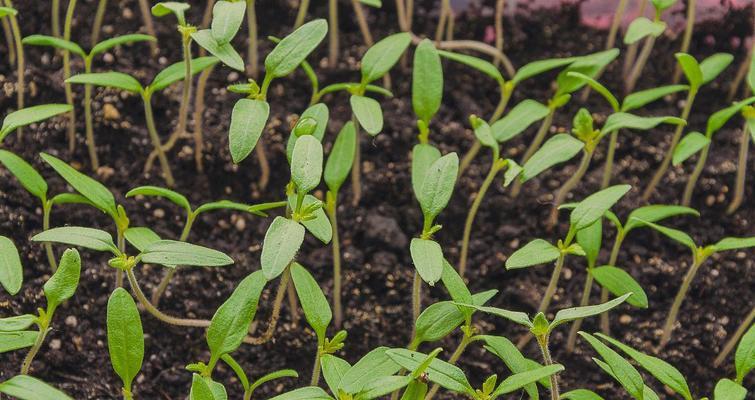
(67, 74)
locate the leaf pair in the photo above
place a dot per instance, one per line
(227, 17)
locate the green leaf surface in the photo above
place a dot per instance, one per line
(437, 321)
(11, 270)
(726, 389)
(177, 72)
(6, 11)
(200, 389)
(479, 64)
(444, 374)
(655, 213)
(305, 393)
(574, 313)
(230, 323)
(313, 301)
(427, 257)
(282, 240)
(455, 284)
(590, 240)
(712, 66)
(744, 357)
(504, 349)
(320, 114)
(734, 243)
(171, 252)
(641, 28)
(621, 369)
(557, 149)
(90, 238)
(691, 69)
(94, 191)
(25, 387)
(513, 316)
(306, 163)
(17, 323)
(383, 55)
(598, 87)
(438, 185)
(111, 79)
(623, 120)
(589, 65)
(141, 237)
(423, 156)
(223, 51)
(63, 283)
(382, 386)
(690, 145)
(671, 233)
(248, 120)
(372, 3)
(644, 97)
(721, 117)
(108, 44)
(595, 205)
(373, 365)
(539, 67)
(484, 135)
(294, 48)
(71, 198)
(368, 113)
(427, 81)
(10, 341)
(341, 157)
(156, 191)
(58, 43)
(30, 115)
(176, 8)
(513, 171)
(619, 282)
(522, 379)
(580, 394)
(518, 119)
(319, 226)
(333, 370)
(125, 337)
(535, 252)
(256, 209)
(227, 17)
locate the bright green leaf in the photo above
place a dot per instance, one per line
(341, 157)
(641, 28)
(558, 149)
(712, 66)
(63, 283)
(306, 163)
(690, 145)
(313, 301)
(427, 81)
(156, 191)
(535, 252)
(227, 17)
(89, 238)
(11, 270)
(438, 185)
(25, 387)
(383, 55)
(58, 43)
(427, 257)
(224, 52)
(595, 205)
(368, 113)
(477, 63)
(125, 337)
(172, 252)
(619, 282)
(111, 79)
(639, 99)
(574, 313)
(518, 119)
(94, 191)
(30, 115)
(248, 120)
(294, 48)
(230, 323)
(282, 240)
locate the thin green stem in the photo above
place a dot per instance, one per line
(416, 298)
(91, 145)
(542, 342)
(506, 91)
(618, 16)
(608, 167)
(332, 208)
(494, 169)
(168, 319)
(735, 338)
(534, 145)
(252, 56)
(43, 330)
(584, 301)
(55, 18)
(356, 167)
(46, 211)
(302, 13)
(605, 325)
(99, 16)
(677, 304)
(183, 110)
(277, 303)
(333, 45)
(692, 182)
(316, 369)
(498, 23)
(121, 243)
(20, 65)
(445, 5)
(639, 65)
(631, 53)
(553, 284)
(661, 171)
(170, 272)
(10, 44)
(149, 116)
(569, 185)
(259, 151)
(199, 117)
(149, 24)
(739, 187)
(687, 39)
(67, 74)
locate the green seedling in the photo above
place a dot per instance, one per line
(695, 142)
(687, 38)
(125, 338)
(88, 57)
(149, 24)
(541, 329)
(192, 214)
(12, 15)
(168, 253)
(697, 74)
(649, 30)
(584, 216)
(337, 168)
(27, 116)
(162, 80)
(745, 326)
(61, 286)
(8, 33)
(566, 84)
(250, 115)
(25, 387)
(619, 367)
(748, 113)
(453, 379)
(700, 254)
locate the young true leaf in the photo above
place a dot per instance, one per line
(319, 226)
(427, 257)
(368, 113)
(341, 157)
(444, 374)
(17, 323)
(535, 252)
(231, 321)
(373, 365)
(673, 234)
(141, 237)
(655, 213)
(427, 81)
(484, 134)
(437, 321)
(248, 120)
(641, 28)
(306, 163)
(125, 338)
(25, 387)
(619, 282)
(540, 66)
(227, 17)
(294, 48)
(638, 99)
(29, 116)
(733, 243)
(477, 63)
(588, 65)
(726, 389)
(11, 270)
(94, 191)
(663, 371)
(282, 241)
(51, 41)
(719, 118)
(224, 52)
(559, 148)
(691, 69)
(318, 114)
(504, 349)
(518, 119)
(383, 55)
(117, 80)
(63, 283)
(622, 370)
(744, 357)
(89, 238)
(438, 185)
(595, 205)
(712, 66)
(574, 313)
(10, 341)
(522, 379)
(690, 144)
(200, 389)
(313, 301)
(172, 252)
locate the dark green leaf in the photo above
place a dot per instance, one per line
(341, 157)
(282, 240)
(619, 282)
(63, 283)
(313, 301)
(427, 81)
(294, 48)
(522, 379)
(125, 338)
(11, 270)
(368, 113)
(373, 365)
(383, 55)
(574, 313)
(580, 394)
(305, 393)
(558, 149)
(231, 321)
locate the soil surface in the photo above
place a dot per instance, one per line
(377, 266)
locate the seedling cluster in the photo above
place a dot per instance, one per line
(304, 212)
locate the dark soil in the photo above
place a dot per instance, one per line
(378, 269)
